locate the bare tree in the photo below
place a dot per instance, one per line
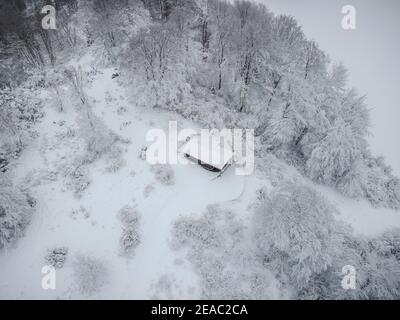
(153, 46)
(248, 45)
(180, 20)
(75, 78)
(221, 16)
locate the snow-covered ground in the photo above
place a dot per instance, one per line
(154, 263)
(99, 234)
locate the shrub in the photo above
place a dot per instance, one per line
(16, 208)
(90, 274)
(77, 176)
(19, 111)
(130, 237)
(80, 212)
(147, 190)
(218, 247)
(188, 231)
(129, 240)
(115, 160)
(163, 173)
(56, 257)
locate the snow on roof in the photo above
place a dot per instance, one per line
(214, 151)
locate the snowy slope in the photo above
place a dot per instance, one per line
(99, 234)
(155, 270)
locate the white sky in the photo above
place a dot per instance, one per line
(371, 53)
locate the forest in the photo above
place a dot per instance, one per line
(221, 64)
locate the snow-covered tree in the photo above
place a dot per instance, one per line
(293, 230)
(182, 20)
(160, 9)
(287, 39)
(332, 157)
(221, 15)
(338, 77)
(153, 50)
(375, 260)
(247, 44)
(111, 23)
(314, 59)
(356, 114)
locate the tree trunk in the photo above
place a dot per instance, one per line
(301, 136)
(220, 69)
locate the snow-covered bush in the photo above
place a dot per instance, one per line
(99, 141)
(129, 240)
(148, 190)
(78, 177)
(18, 113)
(130, 237)
(128, 216)
(36, 177)
(56, 257)
(115, 159)
(81, 212)
(293, 232)
(163, 173)
(164, 288)
(202, 232)
(98, 137)
(220, 249)
(90, 274)
(20, 105)
(16, 209)
(10, 148)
